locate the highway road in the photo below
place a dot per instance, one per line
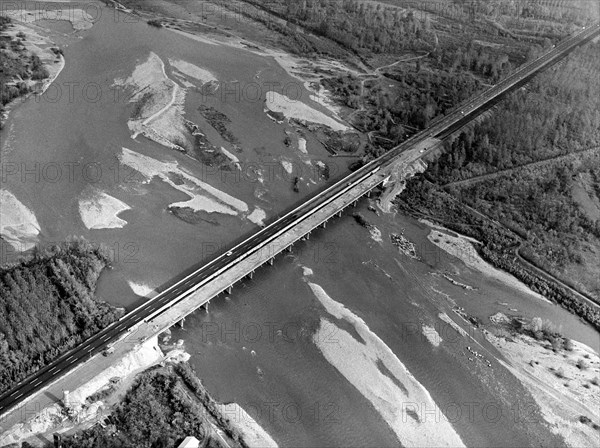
(440, 128)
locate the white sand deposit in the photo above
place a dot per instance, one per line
(18, 225)
(192, 71)
(302, 145)
(203, 197)
(297, 110)
(99, 210)
(257, 216)
(557, 384)
(141, 289)
(431, 335)
(453, 324)
(375, 234)
(462, 248)
(232, 157)
(306, 272)
(402, 405)
(287, 166)
(252, 433)
(323, 97)
(160, 117)
(196, 37)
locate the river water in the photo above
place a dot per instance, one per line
(59, 145)
(256, 347)
(259, 346)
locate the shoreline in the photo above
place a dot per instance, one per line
(108, 392)
(461, 247)
(48, 58)
(375, 371)
(564, 389)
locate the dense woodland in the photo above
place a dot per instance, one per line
(542, 141)
(17, 66)
(555, 114)
(47, 306)
(159, 411)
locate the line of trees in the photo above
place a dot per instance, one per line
(47, 306)
(421, 198)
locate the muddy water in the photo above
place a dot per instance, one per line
(60, 144)
(255, 346)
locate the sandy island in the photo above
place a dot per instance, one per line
(99, 210)
(297, 110)
(203, 197)
(193, 71)
(392, 392)
(18, 225)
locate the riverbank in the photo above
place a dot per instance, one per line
(462, 247)
(561, 375)
(19, 227)
(82, 413)
(33, 63)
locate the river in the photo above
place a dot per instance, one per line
(290, 346)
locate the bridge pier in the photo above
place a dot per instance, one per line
(369, 193)
(181, 322)
(229, 289)
(251, 275)
(271, 261)
(206, 306)
(339, 214)
(289, 248)
(324, 224)
(354, 203)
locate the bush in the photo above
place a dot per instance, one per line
(569, 345)
(155, 23)
(582, 365)
(585, 420)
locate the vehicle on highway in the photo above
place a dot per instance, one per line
(108, 351)
(228, 253)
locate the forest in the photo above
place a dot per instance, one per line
(532, 165)
(47, 306)
(164, 406)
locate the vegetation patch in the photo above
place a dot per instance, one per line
(47, 307)
(219, 121)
